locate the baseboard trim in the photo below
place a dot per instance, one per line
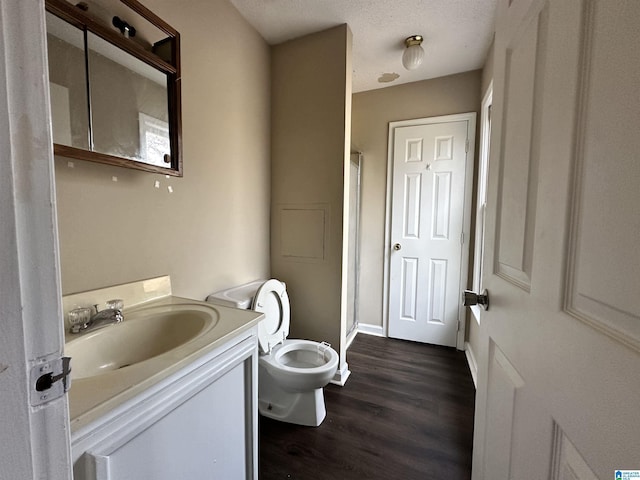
(367, 329)
(340, 378)
(473, 365)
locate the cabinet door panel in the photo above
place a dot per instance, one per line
(203, 438)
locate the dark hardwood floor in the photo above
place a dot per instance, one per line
(405, 413)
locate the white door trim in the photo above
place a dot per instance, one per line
(464, 273)
(481, 194)
(35, 439)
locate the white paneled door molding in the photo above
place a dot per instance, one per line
(558, 385)
(481, 194)
(431, 168)
(34, 439)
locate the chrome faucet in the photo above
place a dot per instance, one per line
(102, 318)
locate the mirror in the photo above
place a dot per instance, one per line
(113, 100)
(132, 121)
(67, 84)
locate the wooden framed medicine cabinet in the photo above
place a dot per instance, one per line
(114, 73)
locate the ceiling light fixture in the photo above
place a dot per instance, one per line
(414, 53)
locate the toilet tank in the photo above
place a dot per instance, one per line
(238, 297)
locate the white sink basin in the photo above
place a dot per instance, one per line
(144, 334)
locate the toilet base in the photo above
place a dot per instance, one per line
(301, 408)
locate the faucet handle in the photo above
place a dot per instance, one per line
(115, 304)
(79, 317)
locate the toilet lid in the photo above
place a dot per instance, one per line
(272, 300)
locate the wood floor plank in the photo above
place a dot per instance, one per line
(405, 413)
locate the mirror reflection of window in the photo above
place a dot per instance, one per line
(60, 114)
(154, 140)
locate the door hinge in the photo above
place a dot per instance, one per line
(461, 238)
(50, 380)
(466, 145)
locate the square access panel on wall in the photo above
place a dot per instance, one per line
(303, 232)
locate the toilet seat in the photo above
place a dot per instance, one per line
(302, 357)
(272, 300)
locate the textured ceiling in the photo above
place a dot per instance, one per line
(457, 33)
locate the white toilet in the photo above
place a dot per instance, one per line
(291, 373)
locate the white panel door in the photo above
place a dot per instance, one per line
(427, 213)
(559, 355)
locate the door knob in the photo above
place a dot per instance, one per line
(397, 246)
(470, 298)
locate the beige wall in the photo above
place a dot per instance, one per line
(372, 112)
(311, 92)
(213, 231)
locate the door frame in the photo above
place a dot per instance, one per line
(37, 442)
(466, 222)
(483, 179)
(355, 159)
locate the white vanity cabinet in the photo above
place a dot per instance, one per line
(198, 423)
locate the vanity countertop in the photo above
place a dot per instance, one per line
(93, 397)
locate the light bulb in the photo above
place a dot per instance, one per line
(414, 53)
(412, 57)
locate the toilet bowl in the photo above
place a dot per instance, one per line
(291, 373)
